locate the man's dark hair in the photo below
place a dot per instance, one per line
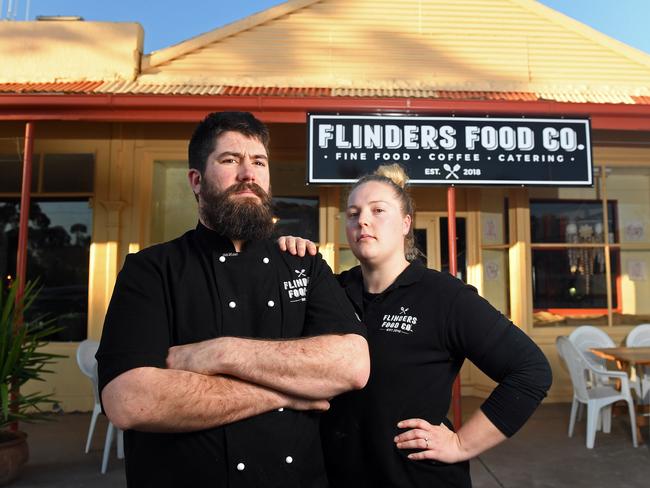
(206, 133)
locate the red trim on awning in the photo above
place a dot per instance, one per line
(488, 95)
(258, 91)
(184, 108)
(66, 87)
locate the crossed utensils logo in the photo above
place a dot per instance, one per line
(300, 272)
(451, 171)
(403, 310)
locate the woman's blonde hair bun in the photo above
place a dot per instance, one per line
(393, 172)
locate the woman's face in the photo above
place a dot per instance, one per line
(375, 226)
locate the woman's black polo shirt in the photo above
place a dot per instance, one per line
(195, 288)
(420, 330)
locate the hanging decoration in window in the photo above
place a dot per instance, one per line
(583, 260)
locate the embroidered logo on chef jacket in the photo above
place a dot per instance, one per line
(401, 323)
(297, 289)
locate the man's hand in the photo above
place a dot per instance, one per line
(297, 403)
(200, 357)
(297, 246)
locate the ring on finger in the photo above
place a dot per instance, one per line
(426, 441)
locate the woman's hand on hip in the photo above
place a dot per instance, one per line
(436, 442)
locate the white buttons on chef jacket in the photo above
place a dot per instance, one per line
(289, 459)
(222, 259)
(265, 260)
(270, 303)
(281, 409)
(232, 304)
(241, 467)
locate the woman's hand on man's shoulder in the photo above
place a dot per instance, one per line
(297, 246)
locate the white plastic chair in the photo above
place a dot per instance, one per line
(640, 337)
(584, 338)
(587, 336)
(88, 366)
(598, 396)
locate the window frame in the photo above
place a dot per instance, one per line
(606, 246)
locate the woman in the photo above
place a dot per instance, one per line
(421, 324)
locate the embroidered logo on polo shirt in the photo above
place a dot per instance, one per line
(297, 289)
(401, 323)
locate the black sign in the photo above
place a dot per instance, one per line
(452, 150)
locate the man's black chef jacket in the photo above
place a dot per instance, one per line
(195, 288)
(420, 330)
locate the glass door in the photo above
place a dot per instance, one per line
(432, 240)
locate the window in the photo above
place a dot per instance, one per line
(11, 169)
(57, 256)
(59, 236)
(461, 247)
(173, 206)
(346, 258)
(297, 216)
(51, 173)
(571, 277)
(591, 251)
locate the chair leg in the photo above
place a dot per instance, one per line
(93, 421)
(107, 446)
(592, 423)
(606, 416)
(630, 406)
(581, 409)
(120, 444)
(575, 406)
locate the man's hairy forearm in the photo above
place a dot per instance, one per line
(314, 367)
(165, 400)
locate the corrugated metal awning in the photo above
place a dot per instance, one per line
(136, 88)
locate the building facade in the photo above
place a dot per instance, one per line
(111, 126)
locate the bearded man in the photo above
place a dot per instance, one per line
(218, 350)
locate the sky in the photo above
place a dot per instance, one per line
(168, 22)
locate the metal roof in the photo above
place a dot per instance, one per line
(136, 88)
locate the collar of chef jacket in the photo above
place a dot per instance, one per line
(212, 241)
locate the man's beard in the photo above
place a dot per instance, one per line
(237, 217)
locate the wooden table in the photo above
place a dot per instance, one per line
(634, 358)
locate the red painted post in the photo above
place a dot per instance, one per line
(25, 198)
(23, 229)
(451, 231)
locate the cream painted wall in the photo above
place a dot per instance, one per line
(71, 388)
(631, 191)
(70, 51)
(494, 262)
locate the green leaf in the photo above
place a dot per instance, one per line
(21, 356)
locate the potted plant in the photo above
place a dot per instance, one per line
(21, 360)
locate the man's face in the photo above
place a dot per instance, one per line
(233, 192)
(237, 158)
